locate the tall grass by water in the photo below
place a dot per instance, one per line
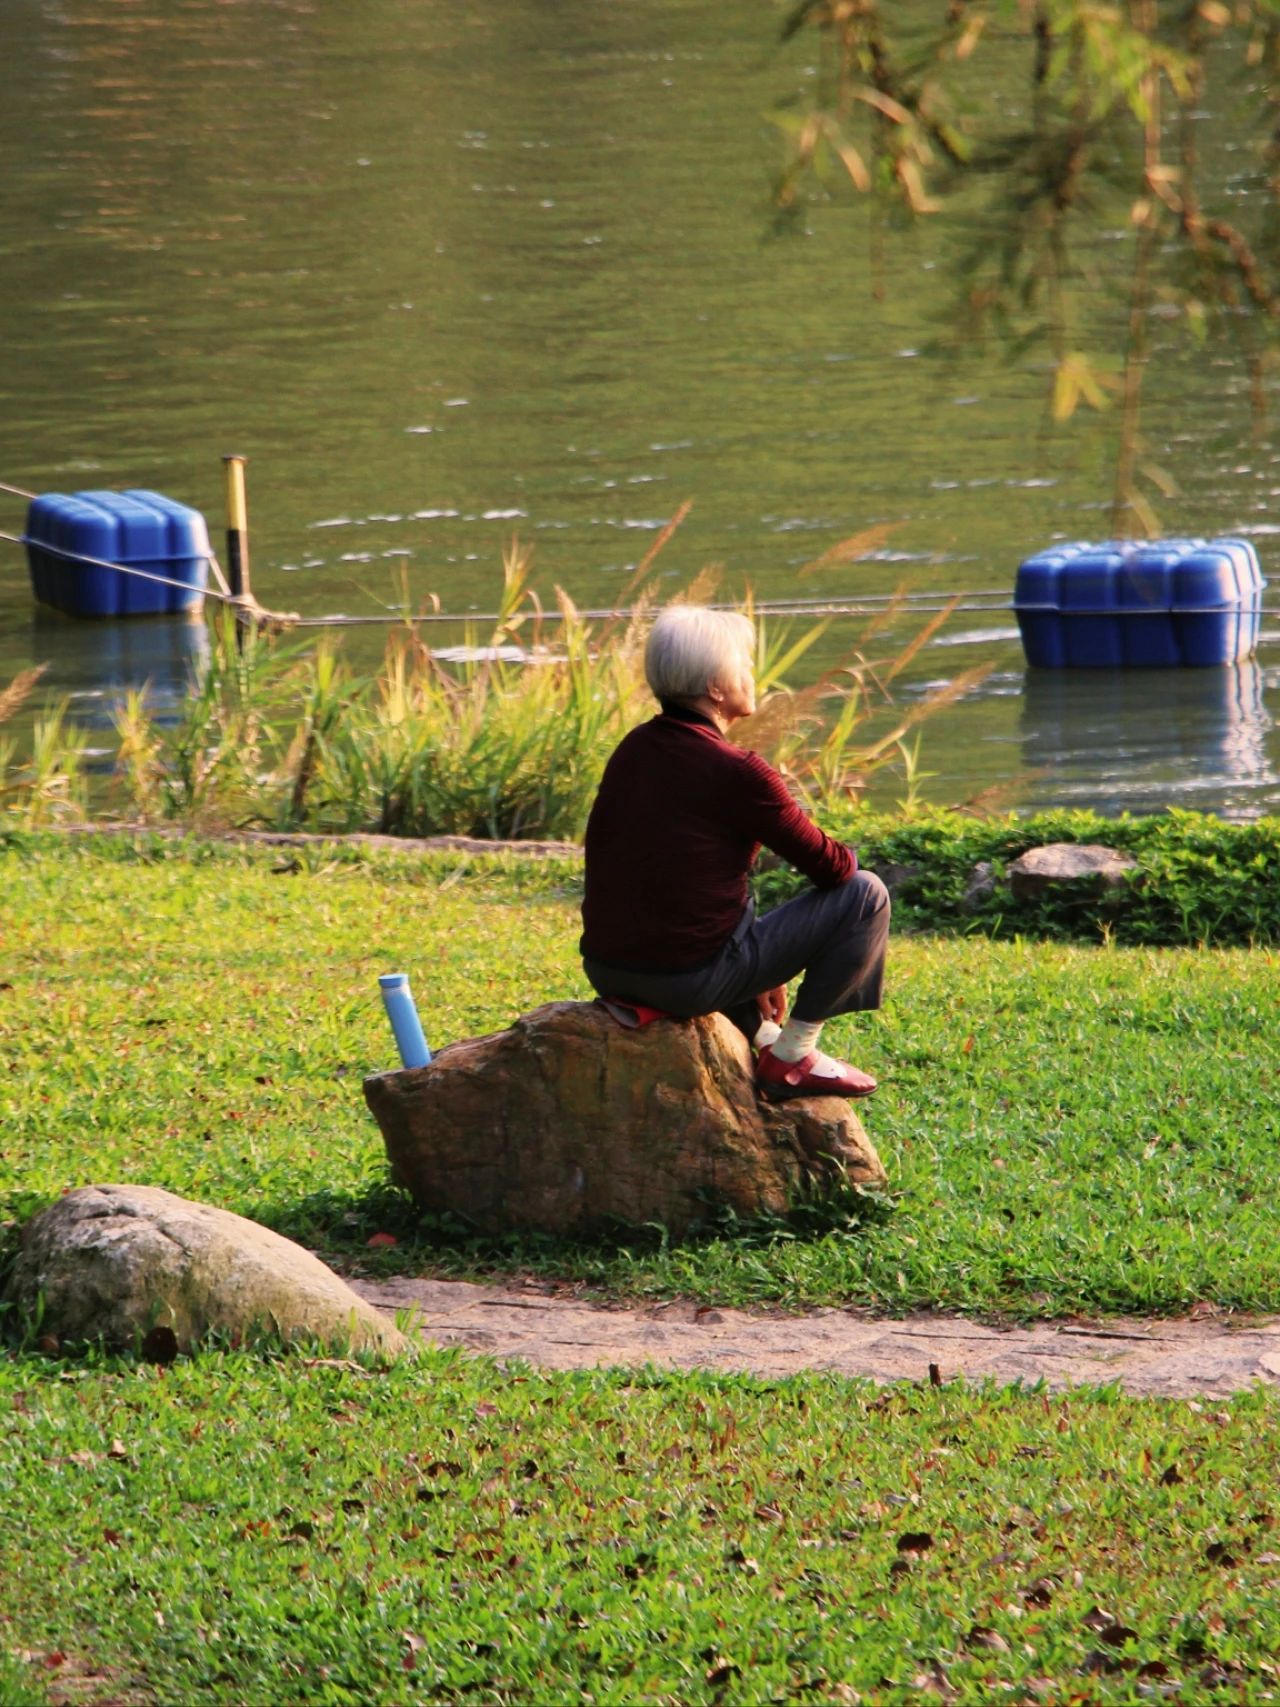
(503, 736)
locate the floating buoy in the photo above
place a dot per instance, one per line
(1160, 603)
(112, 554)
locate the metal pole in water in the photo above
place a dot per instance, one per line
(398, 1001)
(237, 527)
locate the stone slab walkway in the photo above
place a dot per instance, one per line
(1208, 1357)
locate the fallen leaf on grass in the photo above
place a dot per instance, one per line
(160, 1346)
(1216, 1673)
(720, 1671)
(381, 1241)
(1108, 1627)
(934, 1682)
(914, 1542)
(983, 1639)
(1097, 1663)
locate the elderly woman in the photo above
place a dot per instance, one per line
(681, 814)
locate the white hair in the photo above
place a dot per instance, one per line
(690, 647)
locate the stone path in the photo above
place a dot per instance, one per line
(1208, 1357)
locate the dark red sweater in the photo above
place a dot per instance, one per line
(678, 821)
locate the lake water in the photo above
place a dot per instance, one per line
(448, 274)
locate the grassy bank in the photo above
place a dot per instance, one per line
(241, 1531)
(1066, 1128)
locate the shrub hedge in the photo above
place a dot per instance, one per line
(1200, 879)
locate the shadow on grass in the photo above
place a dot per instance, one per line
(380, 1231)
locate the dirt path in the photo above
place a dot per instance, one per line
(1210, 1357)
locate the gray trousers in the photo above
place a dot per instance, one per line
(836, 937)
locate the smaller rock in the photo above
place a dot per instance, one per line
(896, 875)
(134, 1265)
(980, 887)
(1083, 870)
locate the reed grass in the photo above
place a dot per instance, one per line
(48, 785)
(503, 737)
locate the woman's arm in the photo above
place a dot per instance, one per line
(770, 815)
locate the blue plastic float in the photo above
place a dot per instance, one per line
(136, 529)
(1146, 604)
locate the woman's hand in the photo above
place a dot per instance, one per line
(773, 1004)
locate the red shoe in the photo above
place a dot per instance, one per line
(779, 1081)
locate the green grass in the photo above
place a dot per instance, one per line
(1066, 1128)
(234, 1530)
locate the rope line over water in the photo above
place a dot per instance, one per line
(973, 600)
(125, 568)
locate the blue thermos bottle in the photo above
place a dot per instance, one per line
(403, 1015)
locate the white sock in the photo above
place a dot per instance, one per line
(798, 1038)
(769, 1033)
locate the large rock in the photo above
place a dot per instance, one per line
(568, 1121)
(1077, 870)
(128, 1263)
